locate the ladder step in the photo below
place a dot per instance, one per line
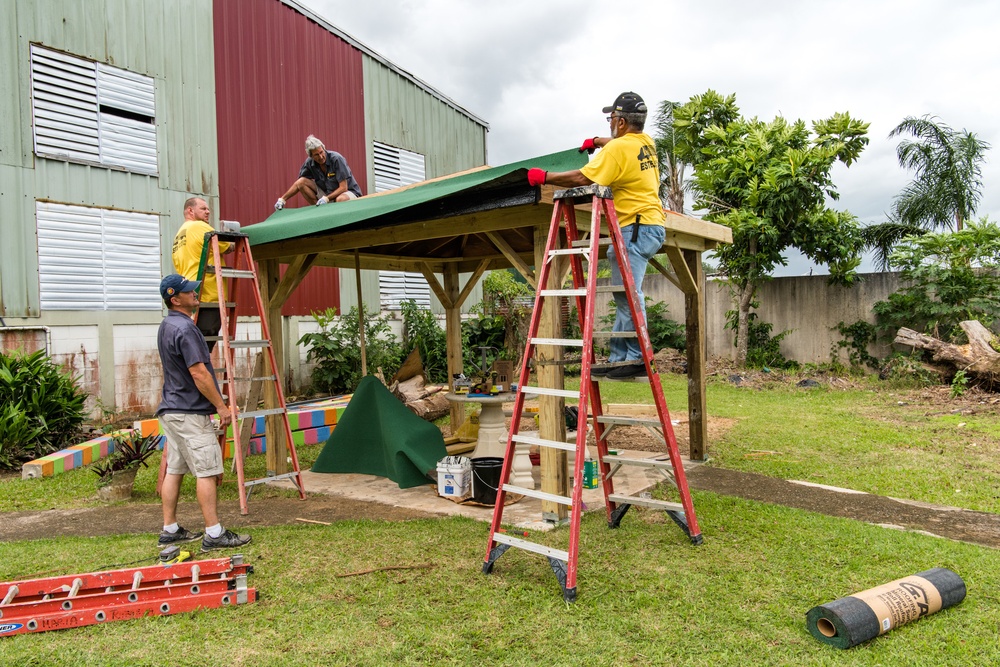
(517, 542)
(639, 463)
(582, 291)
(541, 495)
(271, 478)
(250, 343)
(237, 273)
(565, 342)
(554, 444)
(262, 413)
(646, 502)
(615, 334)
(545, 391)
(604, 240)
(629, 421)
(574, 250)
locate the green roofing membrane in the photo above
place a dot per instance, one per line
(292, 223)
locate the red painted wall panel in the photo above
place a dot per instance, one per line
(280, 77)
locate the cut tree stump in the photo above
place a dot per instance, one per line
(410, 386)
(977, 358)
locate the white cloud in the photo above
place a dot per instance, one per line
(540, 71)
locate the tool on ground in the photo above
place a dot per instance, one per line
(576, 249)
(173, 554)
(76, 600)
(242, 268)
(857, 618)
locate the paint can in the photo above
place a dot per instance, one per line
(590, 474)
(453, 476)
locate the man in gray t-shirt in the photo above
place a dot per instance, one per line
(190, 397)
(324, 177)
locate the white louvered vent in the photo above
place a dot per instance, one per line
(91, 112)
(395, 167)
(97, 259)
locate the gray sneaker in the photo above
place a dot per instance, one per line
(166, 539)
(228, 540)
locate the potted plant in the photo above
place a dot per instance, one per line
(116, 473)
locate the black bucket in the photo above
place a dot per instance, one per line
(486, 479)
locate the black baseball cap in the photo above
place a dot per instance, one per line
(175, 284)
(627, 103)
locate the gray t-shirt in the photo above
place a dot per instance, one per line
(329, 179)
(181, 346)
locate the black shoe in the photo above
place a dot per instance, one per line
(166, 539)
(228, 540)
(628, 372)
(600, 370)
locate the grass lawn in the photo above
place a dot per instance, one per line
(646, 596)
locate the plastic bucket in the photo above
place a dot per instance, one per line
(486, 479)
(453, 476)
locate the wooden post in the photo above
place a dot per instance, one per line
(453, 337)
(551, 420)
(694, 324)
(361, 313)
(277, 448)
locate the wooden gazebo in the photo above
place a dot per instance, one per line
(467, 223)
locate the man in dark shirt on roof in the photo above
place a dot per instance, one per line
(324, 177)
(190, 398)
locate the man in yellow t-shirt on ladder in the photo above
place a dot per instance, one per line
(626, 164)
(189, 243)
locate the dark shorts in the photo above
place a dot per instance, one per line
(209, 324)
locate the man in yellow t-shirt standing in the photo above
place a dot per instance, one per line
(188, 245)
(626, 164)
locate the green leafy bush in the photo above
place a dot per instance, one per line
(949, 277)
(663, 331)
(41, 408)
(763, 349)
(421, 330)
(131, 451)
(507, 303)
(856, 339)
(336, 348)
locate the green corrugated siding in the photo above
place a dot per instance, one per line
(169, 40)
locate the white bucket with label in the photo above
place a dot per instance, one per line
(454, 476)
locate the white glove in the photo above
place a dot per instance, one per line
(321, 201)
(280, 204)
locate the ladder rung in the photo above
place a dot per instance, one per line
(215, 338)
(541, 495)
(262, 378)
(262, 413)
(629, 421)
(615, 334)
(575, 250)
(236, 273)
(646, 502)
(545, 391)
(517, 542)
(272, 478)
(564, 292)
(565, 342)
(230, 304)
(639, 463)
(604, 289)
(604, 240)
(554, 444)
(250, 343)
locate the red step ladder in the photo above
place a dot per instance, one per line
(242, 267)
(585, 289)
(72, 601)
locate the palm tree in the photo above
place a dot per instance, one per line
(671, 168)
(945, 191)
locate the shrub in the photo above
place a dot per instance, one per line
(856, 339)
(42, 408)
(663, 331)
(763, 349)
(337, 349)
(421, 331)
(131, 451)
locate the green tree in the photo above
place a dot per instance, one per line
(946, 188)
(948, 277)
(671, 167)
(768, 182)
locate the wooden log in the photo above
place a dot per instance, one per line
(977, 357)
(430, 408)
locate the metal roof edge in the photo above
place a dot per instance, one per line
(319, 20)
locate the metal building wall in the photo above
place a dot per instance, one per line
(168, 40)
(281, 77)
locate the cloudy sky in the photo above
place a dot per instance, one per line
(539, 71)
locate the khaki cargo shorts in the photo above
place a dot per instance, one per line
(192, 446)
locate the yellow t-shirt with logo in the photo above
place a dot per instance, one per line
(186, 252)
(628, 166)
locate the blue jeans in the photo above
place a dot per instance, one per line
(648, 242)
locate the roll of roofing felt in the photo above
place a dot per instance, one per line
(855, 619)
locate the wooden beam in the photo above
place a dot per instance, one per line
(297, 270)
(666, 273)
(678, 260)
(473, 279)
(515, 259)
(694, 330)
(436, 287)
(453, 340)
(460, 225)
(361, 316)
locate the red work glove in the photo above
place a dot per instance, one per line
(536, 176)
(589, 145)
